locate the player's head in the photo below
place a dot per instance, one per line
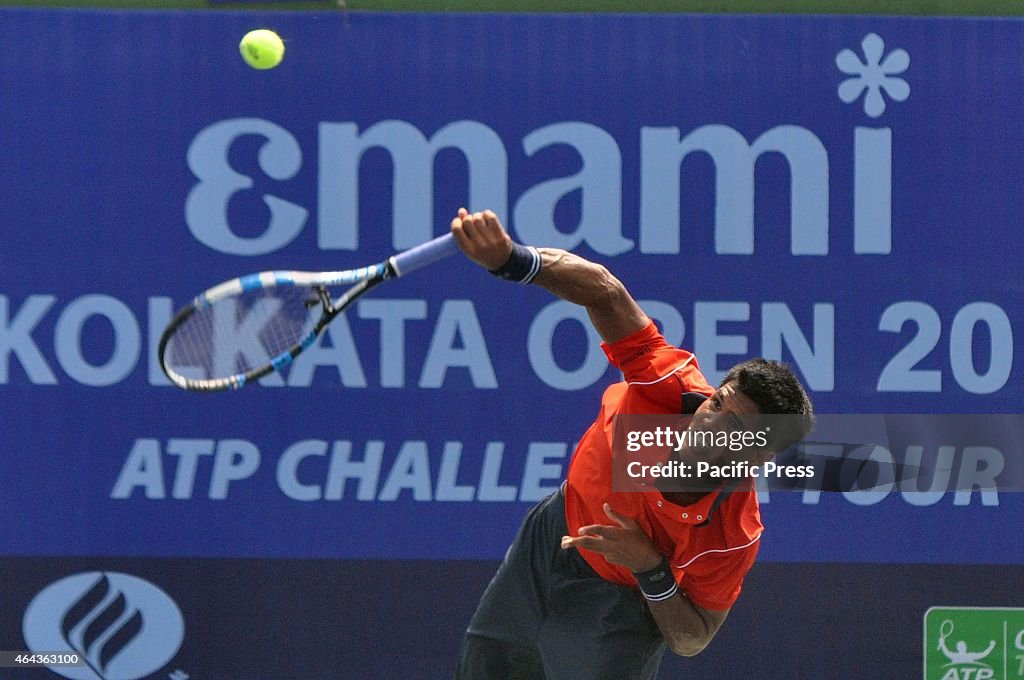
(730, 427)
(772, 389)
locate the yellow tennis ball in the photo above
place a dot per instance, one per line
(262, 48)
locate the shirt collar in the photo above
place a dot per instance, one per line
(695, 513)
(699, 513)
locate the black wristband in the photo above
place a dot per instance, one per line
(522, 265)
(657, 584)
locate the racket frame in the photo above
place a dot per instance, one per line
(361, 280)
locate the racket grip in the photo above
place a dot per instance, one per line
(424, 254)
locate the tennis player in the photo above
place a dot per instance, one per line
(597, 583)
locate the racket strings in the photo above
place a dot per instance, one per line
(242, 333)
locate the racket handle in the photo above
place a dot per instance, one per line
(424, 254)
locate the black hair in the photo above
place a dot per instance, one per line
(775, 390)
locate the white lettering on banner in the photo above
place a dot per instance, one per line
(979, 468)
(16, 339)
(599, 182)
(188, 452)
(709, 344)
(336, 348)
(901, 373)
(816, 359)
(288, 470)
(315, 470)
(540, 348)
(411, 470)
(68, 340)
(341, 147)
(490, 489)
(412, 156)
(662, 151)
(880, 487)
(458, 343)
(143, 469)
(237, 320)
(392, 315)
(538, 470)
(233, 460)
(340, 468)
(1000, 347)
(872, 191)
(941, 473)
(447, 487)
(206, 208)
(411, 473)
(161, 311)
(457, 323)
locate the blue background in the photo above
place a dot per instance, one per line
(100, 109)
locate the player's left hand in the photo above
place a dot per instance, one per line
(624, 544)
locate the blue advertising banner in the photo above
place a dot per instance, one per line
(838, 192)
(236, 619)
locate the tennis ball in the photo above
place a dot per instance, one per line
(262, 48)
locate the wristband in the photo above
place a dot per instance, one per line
(658, 584)
(522, 265)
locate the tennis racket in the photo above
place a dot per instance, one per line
(245, 328)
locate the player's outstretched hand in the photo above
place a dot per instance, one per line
(625, 544)
(482, 238)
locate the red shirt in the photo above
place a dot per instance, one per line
(710, 561)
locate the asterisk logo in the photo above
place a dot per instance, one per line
(874, 75)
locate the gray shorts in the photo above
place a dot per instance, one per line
(546, 615)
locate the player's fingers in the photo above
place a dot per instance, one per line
(481, 222)
(588, 542)
(461, 240)
(621, 520)
(602, 530)
(492, 229)
(469, 227)
(492, 222)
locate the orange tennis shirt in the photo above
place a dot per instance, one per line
(709, 561)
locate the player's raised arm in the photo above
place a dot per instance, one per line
(612, 309)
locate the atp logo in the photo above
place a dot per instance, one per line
(973, 643)
(124, 627)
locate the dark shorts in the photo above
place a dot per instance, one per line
(546, 615)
